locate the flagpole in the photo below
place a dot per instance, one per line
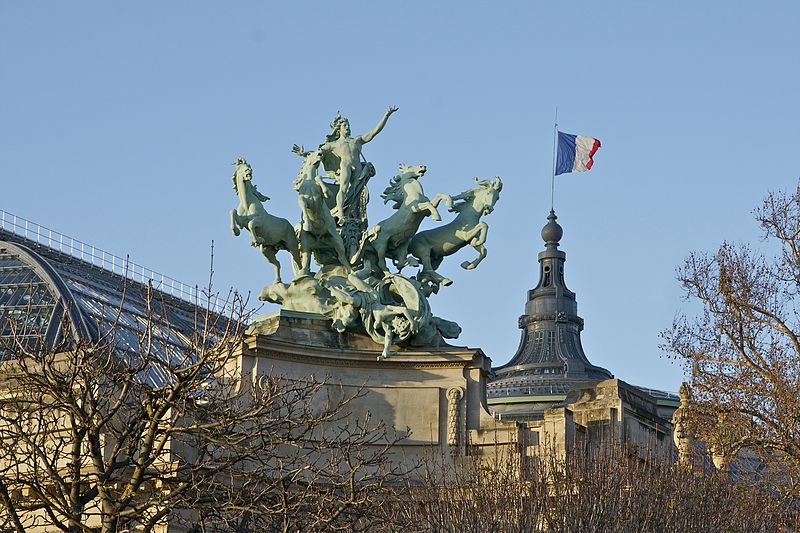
(555, 148)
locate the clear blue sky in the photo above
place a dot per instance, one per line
(119, 121)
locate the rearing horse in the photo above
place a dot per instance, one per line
(267, 232)
(433, 245)
(318, 227)
(391, 237)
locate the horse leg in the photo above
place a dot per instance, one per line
(448, 200)
(256, 239)
(477, 240)
(469, 265)
(430, 208)
(401, 258)
(290, 241)
(380, 244)
(305, 255)
(269, 253)
(482, 232)
(422, 252)
(436, 262)
(235, 223)
(338, 244)
(426, 257)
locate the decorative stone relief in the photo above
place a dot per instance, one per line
(681, 437)
(454, 396)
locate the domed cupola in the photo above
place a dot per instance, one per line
(550, 358)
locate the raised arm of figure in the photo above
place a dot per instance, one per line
(367, 137)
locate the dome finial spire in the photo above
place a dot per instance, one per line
(552, 231)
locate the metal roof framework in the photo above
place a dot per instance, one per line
(55, 288)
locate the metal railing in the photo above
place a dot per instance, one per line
(100, 258)
(659, 393)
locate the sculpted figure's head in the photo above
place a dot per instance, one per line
(340, 127)
(344, 128)
(401, 327)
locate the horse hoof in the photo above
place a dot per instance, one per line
(467, 265)
(447, 282)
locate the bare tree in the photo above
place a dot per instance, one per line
(743, 348)
(603, 488)
(96, 438)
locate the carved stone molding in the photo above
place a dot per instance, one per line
(454, 396)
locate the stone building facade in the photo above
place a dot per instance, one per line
(547, 399)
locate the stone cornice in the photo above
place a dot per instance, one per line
(258, 345)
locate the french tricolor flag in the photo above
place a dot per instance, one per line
(575, 152)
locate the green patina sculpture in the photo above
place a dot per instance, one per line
(342, 159)
(432, 246)
(386, 320)
(353, 286)
(391, 237)
(268, 233)
(318, 232)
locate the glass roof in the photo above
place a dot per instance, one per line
(38, 284)
(26, 303)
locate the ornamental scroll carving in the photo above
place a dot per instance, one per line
(454, 396)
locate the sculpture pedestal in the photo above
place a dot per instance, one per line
(439, 393)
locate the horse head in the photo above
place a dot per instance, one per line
(395, 192)
(242, 172)
(486, 195)
(407, 172)
(311, 161)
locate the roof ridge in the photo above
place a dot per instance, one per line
(88, 254)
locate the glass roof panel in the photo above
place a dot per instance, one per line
(9, 261)
(109, 303)
(20, 277)
(26, 304)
